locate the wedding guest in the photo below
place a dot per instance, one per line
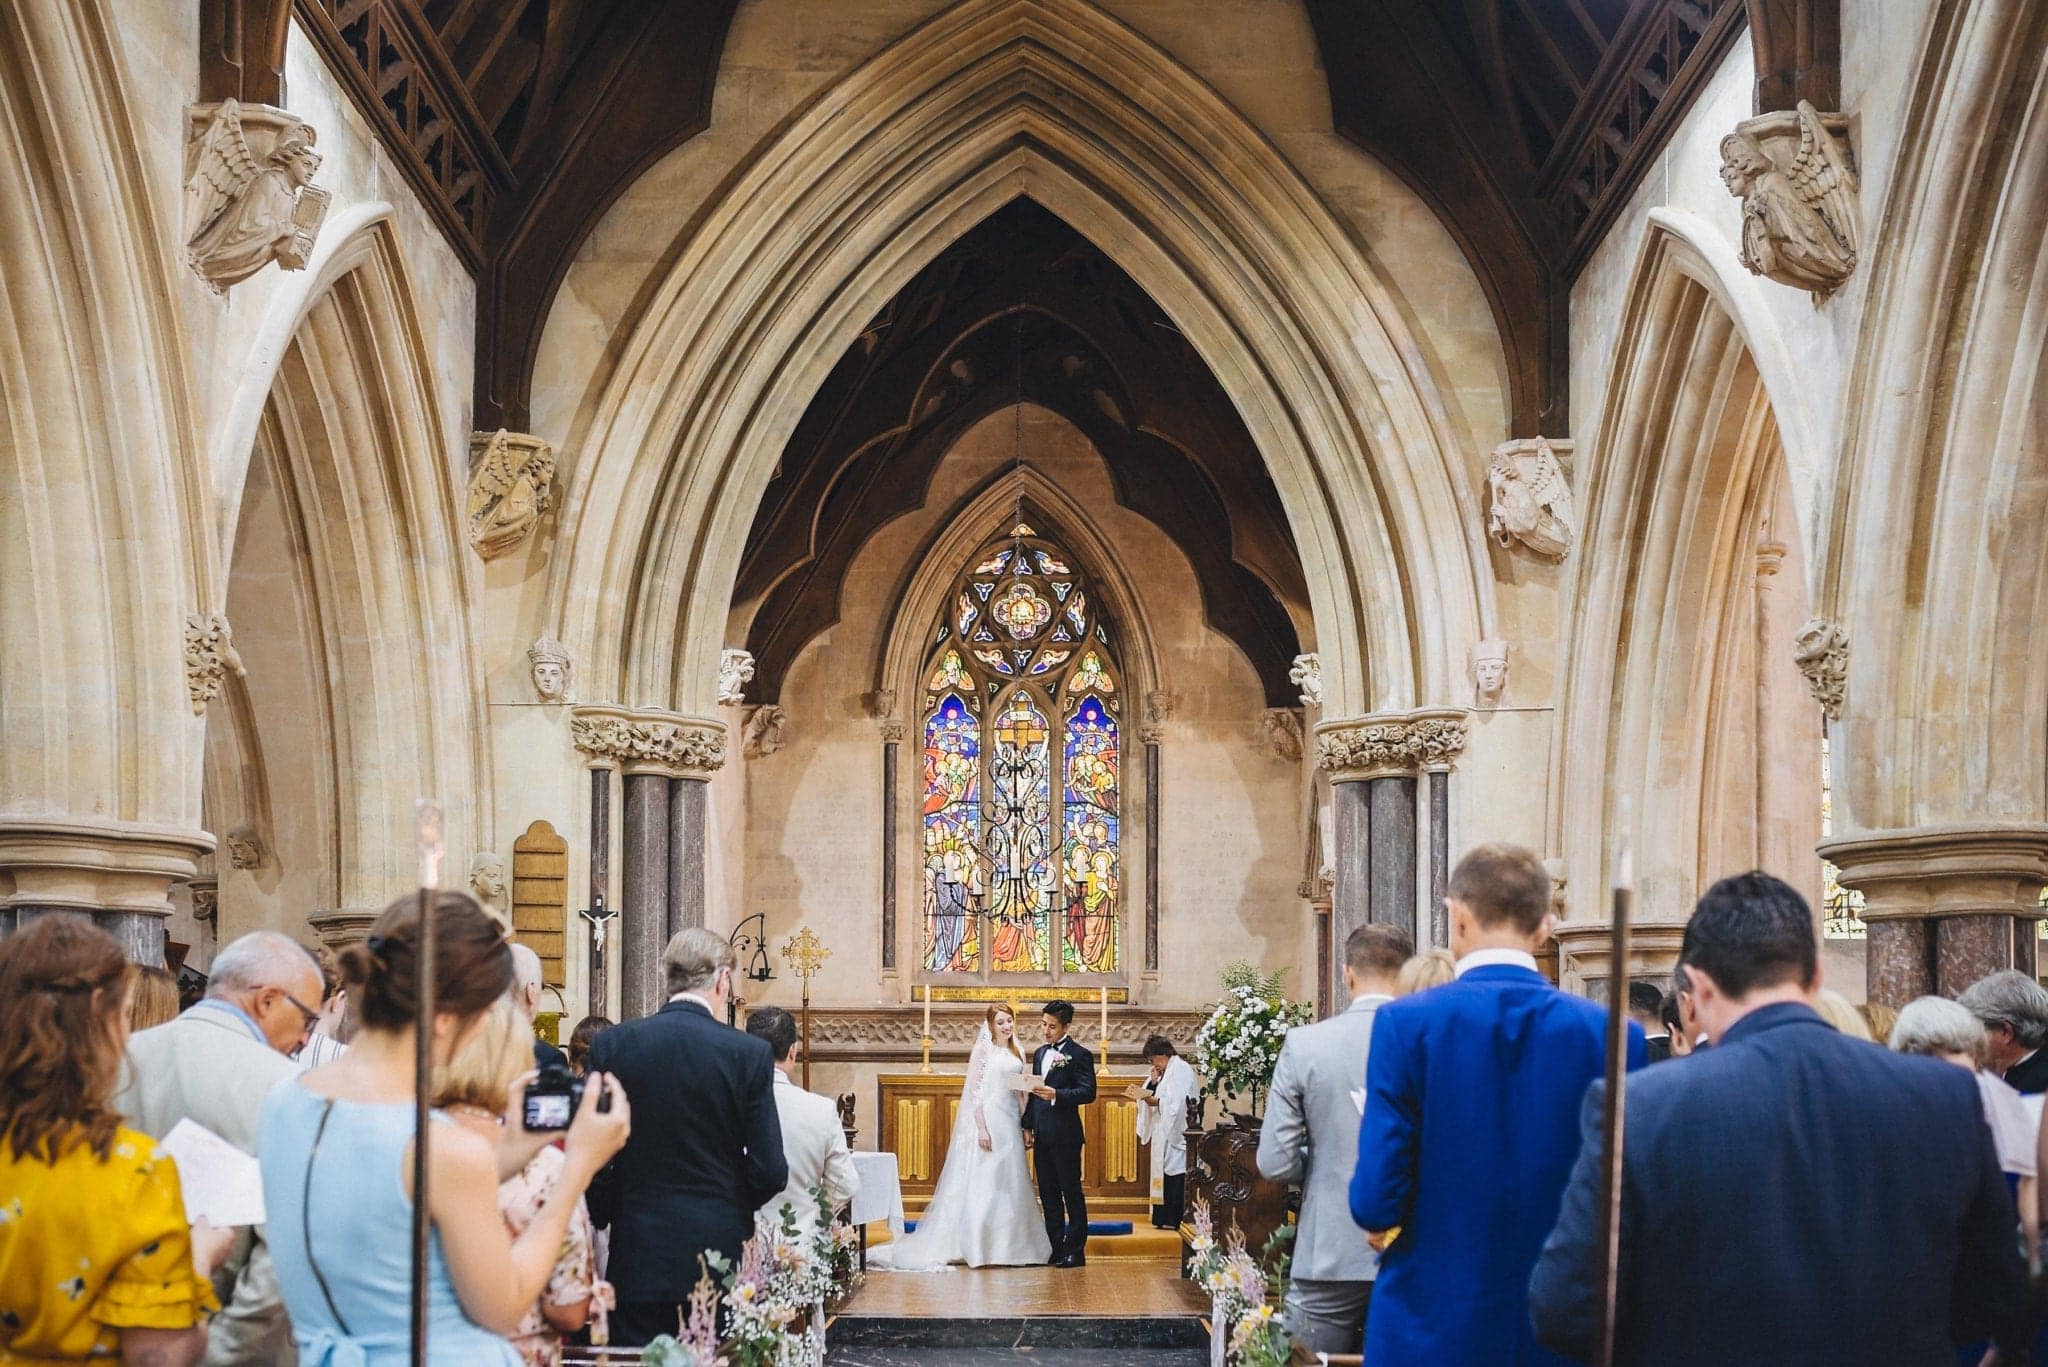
(1837, 1010)
(708, 1151)
(336, 1149)
(1310, 1137)
(1879, 1019)
(1688, 1019)
(581, 1038)
(1163, 1124)
(2014, 1009)
(813, 1141)
(1771, 1162)
(331, 1032)
(213, 1065)
(155, 999)
(526, 966)
(1431, 968)
(1675, 1032)
(1646, 1008)
(96, 1260)
(1939, 1028)
(1452, 1074)
(473, 1088)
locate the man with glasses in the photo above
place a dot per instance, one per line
(214, 1065)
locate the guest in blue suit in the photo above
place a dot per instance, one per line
(1791, 1196)
(1470, 1128)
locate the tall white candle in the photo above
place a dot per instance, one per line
(1105, 1012)
(927, 1012)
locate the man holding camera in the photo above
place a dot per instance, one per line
(707, 1151)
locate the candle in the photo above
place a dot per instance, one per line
(927, 1012)
(1105, 1012)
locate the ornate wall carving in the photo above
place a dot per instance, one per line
(249, 193)
(1791, 170)
(511, 483)
(487, 879)
(1488, 661)
(209, 656)
(735, 671)
(549, 664)
(1821, 650)
(1282, 729)
(1530, 497)
(649, 742)
(764, 731)
(245, 847)
(1401, 744)
(1307, 675)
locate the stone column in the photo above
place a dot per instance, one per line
(892, 746)
(118, 873)
(1372, 763)
(1945, 904)
(1439, 856)
(1150, 733)
(654, 750)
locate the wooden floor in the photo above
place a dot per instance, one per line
(1121, 1289)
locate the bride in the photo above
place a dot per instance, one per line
(983, 1212)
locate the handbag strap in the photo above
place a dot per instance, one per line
(306, 1218)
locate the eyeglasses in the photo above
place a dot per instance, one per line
(312, 1018)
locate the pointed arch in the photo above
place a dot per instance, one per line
(1058, 100)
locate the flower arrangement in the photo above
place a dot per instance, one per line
(1237, 1286)
(1238, 1047)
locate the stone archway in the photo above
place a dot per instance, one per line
(1683, 710)
(1934, 537)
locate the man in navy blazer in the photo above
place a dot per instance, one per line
(1790, 1196)
(1470, 1128)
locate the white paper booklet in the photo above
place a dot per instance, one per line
(1021, 1082)
(222, 1185)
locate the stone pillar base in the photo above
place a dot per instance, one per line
(1584, 960)
(1945, 904)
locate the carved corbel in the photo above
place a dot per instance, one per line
(1282, 729)
(249, 193)
(1793, 172)
(735, 672)
(1821, 650)
(210, 655)
(1306, 674)
(1530, 496)
(764, 731)
(511, 484)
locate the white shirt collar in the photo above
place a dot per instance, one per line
(1368, 999)
(782, 1078)
(697, 997)
(1491, 958)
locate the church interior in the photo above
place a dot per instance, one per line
(1051, 497)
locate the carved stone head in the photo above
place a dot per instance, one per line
(549, 662)
(1742, 161)
(487, 877)
(294, 154)
(1488, 662)
(245, 847)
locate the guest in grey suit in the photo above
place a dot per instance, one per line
(1311, 1138)
(214, 1065)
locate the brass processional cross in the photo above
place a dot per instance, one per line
(806, 954)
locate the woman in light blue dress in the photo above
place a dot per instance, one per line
(336, 1151)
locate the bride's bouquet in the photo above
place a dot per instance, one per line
(1238, 1047)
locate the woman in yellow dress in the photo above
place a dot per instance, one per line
(96, 1260)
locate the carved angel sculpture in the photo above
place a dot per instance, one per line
(1532, 502)
(1799, 223)
(242, 210)
(510, 486)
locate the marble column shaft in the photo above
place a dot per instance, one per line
(688, 805)
(643, 895)
(890, 752)
(140, 933)
(1439, 857)
(1351, 862)
(1152, 781)
(599, 970)
(1391, 868)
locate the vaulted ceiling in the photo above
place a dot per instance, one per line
(1524, 123)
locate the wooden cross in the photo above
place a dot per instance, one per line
(806, 954)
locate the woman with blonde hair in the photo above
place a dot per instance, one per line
(97, 1262)
(1836, 1010)
(1430, 968)
(473, 1088)
(155, 1000)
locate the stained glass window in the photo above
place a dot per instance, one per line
(1022, 816)
(1839, 905)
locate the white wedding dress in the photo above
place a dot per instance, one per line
(984, 1212)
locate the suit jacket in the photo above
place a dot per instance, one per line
(1793, 1196)
(209, 1065)
(546, 1055)
(1470, 1129)
(705, 1152)
(1310, 1136)
(2029, 1077)
(1658, 1048)
(814, 1143)
(1073, 1085)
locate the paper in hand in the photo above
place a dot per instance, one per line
(222, 1185)
(1022, 1082)
(1358, 1099)
(1137, 1092)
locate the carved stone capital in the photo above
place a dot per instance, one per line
(1821, 650)
(511, 484)
(1529, 496)
(209, 656)
(1390, 744)
(891, 729)
(1794, 173)
(1961, 869)
(249, 193)
(648, 742)
(344, 926)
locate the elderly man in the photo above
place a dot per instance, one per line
(813, 1141)
(214, 1064)
(2014, 1009)
(526, 974)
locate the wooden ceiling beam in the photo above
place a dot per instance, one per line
(1798, 47)
(241, 50)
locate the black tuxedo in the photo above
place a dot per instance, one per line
(1057, 1138)
(2030, 1075)
(705, 1153)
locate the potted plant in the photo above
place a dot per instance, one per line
(1238, 1047)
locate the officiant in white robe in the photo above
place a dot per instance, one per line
(1163, 1123)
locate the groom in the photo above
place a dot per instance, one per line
(1052, 1124)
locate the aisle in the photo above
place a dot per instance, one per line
(1125, 1312)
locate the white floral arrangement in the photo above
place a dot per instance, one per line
(1238, 1047)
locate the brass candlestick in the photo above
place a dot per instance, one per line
(926, 1066)
(806, 954)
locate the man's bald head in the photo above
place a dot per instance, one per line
(526, 972)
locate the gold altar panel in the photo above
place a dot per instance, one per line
(1115, 1167)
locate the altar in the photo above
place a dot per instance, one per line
(918, 1111)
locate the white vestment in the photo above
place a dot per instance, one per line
(1165, 1126)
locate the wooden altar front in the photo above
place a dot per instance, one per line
(918, 1111)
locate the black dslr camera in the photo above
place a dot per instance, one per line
(553, 1096)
